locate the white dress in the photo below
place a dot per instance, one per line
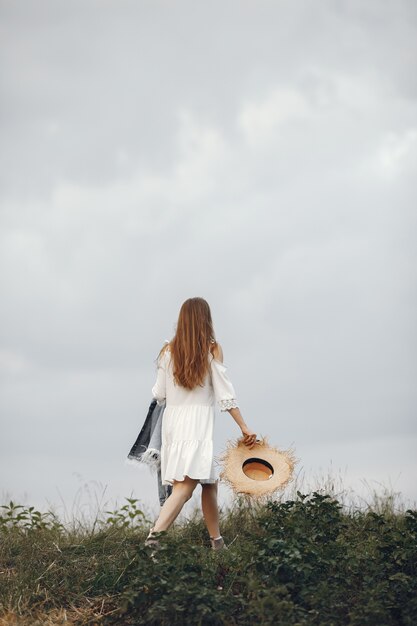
(188, 420)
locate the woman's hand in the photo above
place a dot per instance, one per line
(249, 437)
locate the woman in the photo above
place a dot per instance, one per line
(190, 378)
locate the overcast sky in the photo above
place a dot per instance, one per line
(259, 154)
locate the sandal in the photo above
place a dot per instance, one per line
(151, 540)
(218, 543)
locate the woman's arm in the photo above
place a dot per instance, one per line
(249, 437)
(159, 388)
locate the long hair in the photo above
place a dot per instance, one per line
(194, 338)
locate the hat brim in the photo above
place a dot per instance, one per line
(237, 453)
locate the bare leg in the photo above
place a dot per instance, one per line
(181, 492)
(210, 509)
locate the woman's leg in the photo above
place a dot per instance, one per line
(210, 508)
(181, 492)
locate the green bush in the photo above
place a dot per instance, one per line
(304, 561)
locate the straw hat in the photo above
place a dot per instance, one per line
(256, 471)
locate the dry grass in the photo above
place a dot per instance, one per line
(88, 571)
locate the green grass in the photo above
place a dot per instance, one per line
(307, 560)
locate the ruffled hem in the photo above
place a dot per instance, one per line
(193, 458)
(203, 481)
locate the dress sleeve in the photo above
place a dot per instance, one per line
(223, 389)
(159, 388)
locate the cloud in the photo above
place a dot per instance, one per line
(144, 162)
(259, 120)
(397, 153)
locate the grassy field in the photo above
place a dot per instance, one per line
(307, 560)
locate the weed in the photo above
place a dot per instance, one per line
(306, 560)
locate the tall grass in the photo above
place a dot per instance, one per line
(321, 558)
